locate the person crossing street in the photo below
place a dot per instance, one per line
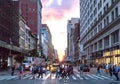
(40, 71)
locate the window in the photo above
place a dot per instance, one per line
(115, 37)
(106, 41)
(107, 6)
(95, 46)
(116, 12)
(104, 10)
(100, 27)
(100, 44)
(107, 19)
(95, 31)
(104, 22)
(95, 11)
(91, 48)
(112, 15)
(95, 2)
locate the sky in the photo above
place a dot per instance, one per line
(56, 13)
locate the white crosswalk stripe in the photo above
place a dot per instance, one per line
(106, 77)
(46, 77)
(74, 77)
(28, 76)
(92, 77)
(52, 76)
(79, 76)
(97, 77)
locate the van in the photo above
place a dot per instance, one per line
(27, 64)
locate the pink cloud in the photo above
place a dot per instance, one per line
(55, 11)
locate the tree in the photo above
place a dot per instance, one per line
(34, 53)
(19, 58)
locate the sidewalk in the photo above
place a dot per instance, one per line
(8, 72)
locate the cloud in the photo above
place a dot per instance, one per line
(57, 9)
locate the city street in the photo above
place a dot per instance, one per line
(88, 78)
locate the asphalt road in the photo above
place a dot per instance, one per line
(63, 81)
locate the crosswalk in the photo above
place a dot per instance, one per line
(52, 77)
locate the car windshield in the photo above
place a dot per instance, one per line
(26, 61)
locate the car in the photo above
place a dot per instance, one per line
(86, 68)
(27, 64)
(54, 67)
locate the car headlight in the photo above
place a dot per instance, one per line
(52, 68)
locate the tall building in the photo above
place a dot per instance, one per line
(100, 31)
(31, 11)
(76, 41)
(9, 32)
(70, 38)
(45, 30)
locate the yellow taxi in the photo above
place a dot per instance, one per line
(53, 67)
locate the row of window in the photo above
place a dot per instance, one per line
(89, 15)
(105, 42)
(103, 24)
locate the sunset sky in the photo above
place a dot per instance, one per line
(56, 13)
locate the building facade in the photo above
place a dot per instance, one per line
(31, 10)
(49, 39)
(100, 31)
(9, 32)
(76, 41)
(44, 41)
(70, 38)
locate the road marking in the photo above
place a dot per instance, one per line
(13, 77)
(97, 76)
(106, 77)
(79, 76)
(53, 76)
(91, 77)
(27, 76)
(74, 78)
(60, 78)
(86, 78)
(67, 77)
(48, 75)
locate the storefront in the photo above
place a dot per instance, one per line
(112, 56)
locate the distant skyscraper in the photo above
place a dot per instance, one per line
(46, 31)
(70, 37)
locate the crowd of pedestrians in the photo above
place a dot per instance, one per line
(110, 69)
(64, 71)
(37, 70)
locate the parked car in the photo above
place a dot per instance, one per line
(86, 68)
